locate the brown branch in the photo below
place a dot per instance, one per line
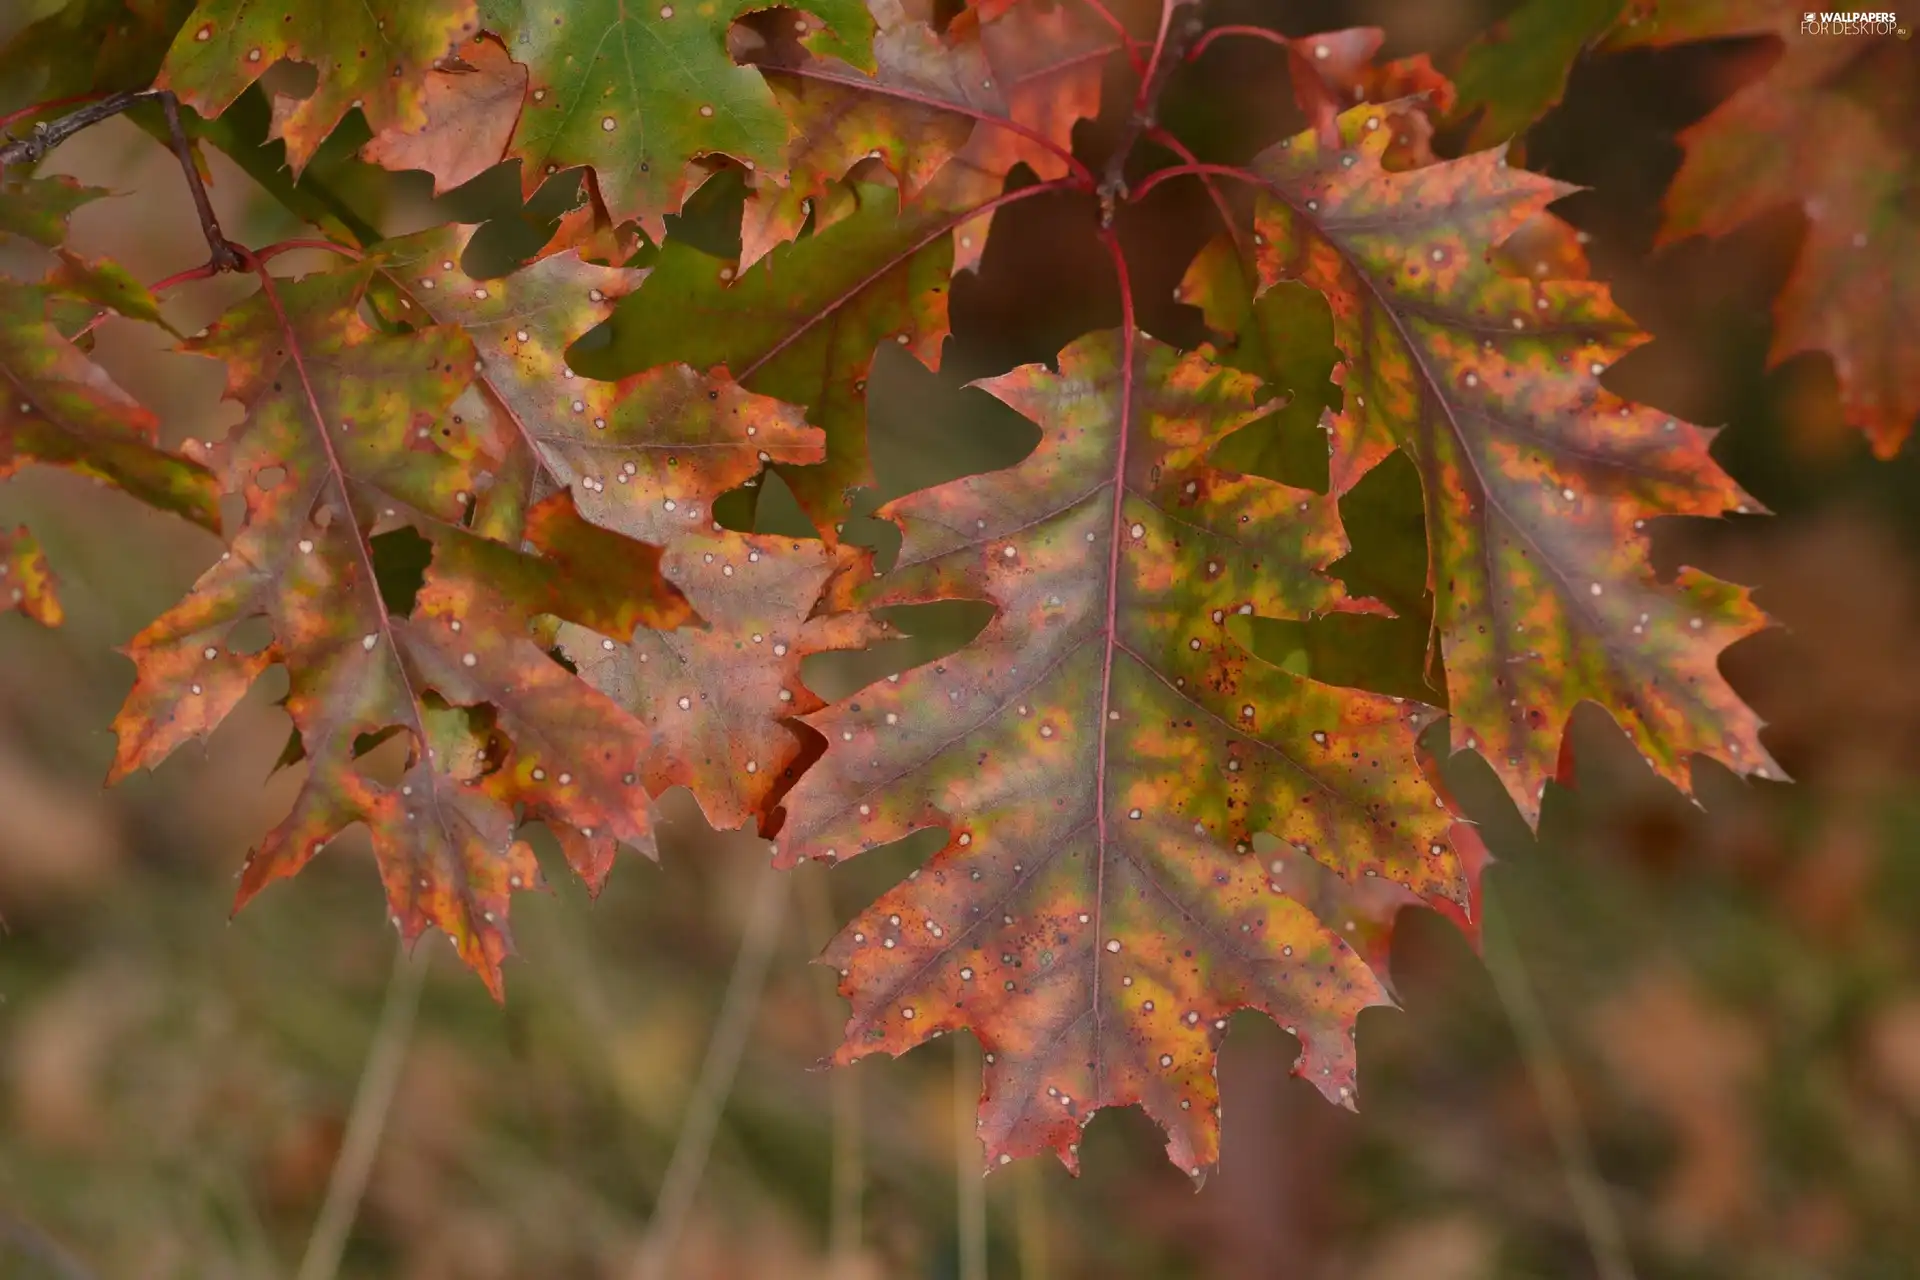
(224, 255)
(49, 134)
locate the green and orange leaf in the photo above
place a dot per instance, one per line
(26, 583)
(1539, 481)
(802, 325)
(59, 408)
(349, 431)
(963, 107)
(1516, 72)
(714, 697)
(374, 57)
(646, 457)
(1147, 827)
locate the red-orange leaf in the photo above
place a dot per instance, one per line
(1335, 69)
(1539, 481)
(470, 105)
(673, 441)
(1103, 759)
(1830, 129)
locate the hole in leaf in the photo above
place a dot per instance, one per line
(400, 559)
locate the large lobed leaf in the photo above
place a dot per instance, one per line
(647, 456)
(1103, 758)
(1539, 481)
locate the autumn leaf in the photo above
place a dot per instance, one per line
(1516, 72)
(1108, 761)
(638, 92)
(647, 456)
(1282, 336)
(1830, 130)
(350, 430)
(1539, 481)
(374, 57)
(38, 209)
(965, 106)
(1334, 70)
(801, 326)
(1827, 129)
(87, 46)
(471, 103)
(521, 326)
(672, 440)
(59, 408)
(26, 583)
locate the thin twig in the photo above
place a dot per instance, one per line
(969, 1178)
(51, 133)
(367, 1122)
(1605, 1238)
(224, 256)
(738, 1008)
(12, 118)
(847, 1185)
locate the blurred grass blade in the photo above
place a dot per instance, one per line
(379, 1080)
(765, 916)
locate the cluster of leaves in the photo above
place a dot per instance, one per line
(1147, 825)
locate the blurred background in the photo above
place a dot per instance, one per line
(1692, 1049)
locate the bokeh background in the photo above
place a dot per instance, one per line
(1691, 1050)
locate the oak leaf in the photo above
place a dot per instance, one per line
(964, 107)
(1539, 481)
(1108, 762)
(350, 430)
(374, 57)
